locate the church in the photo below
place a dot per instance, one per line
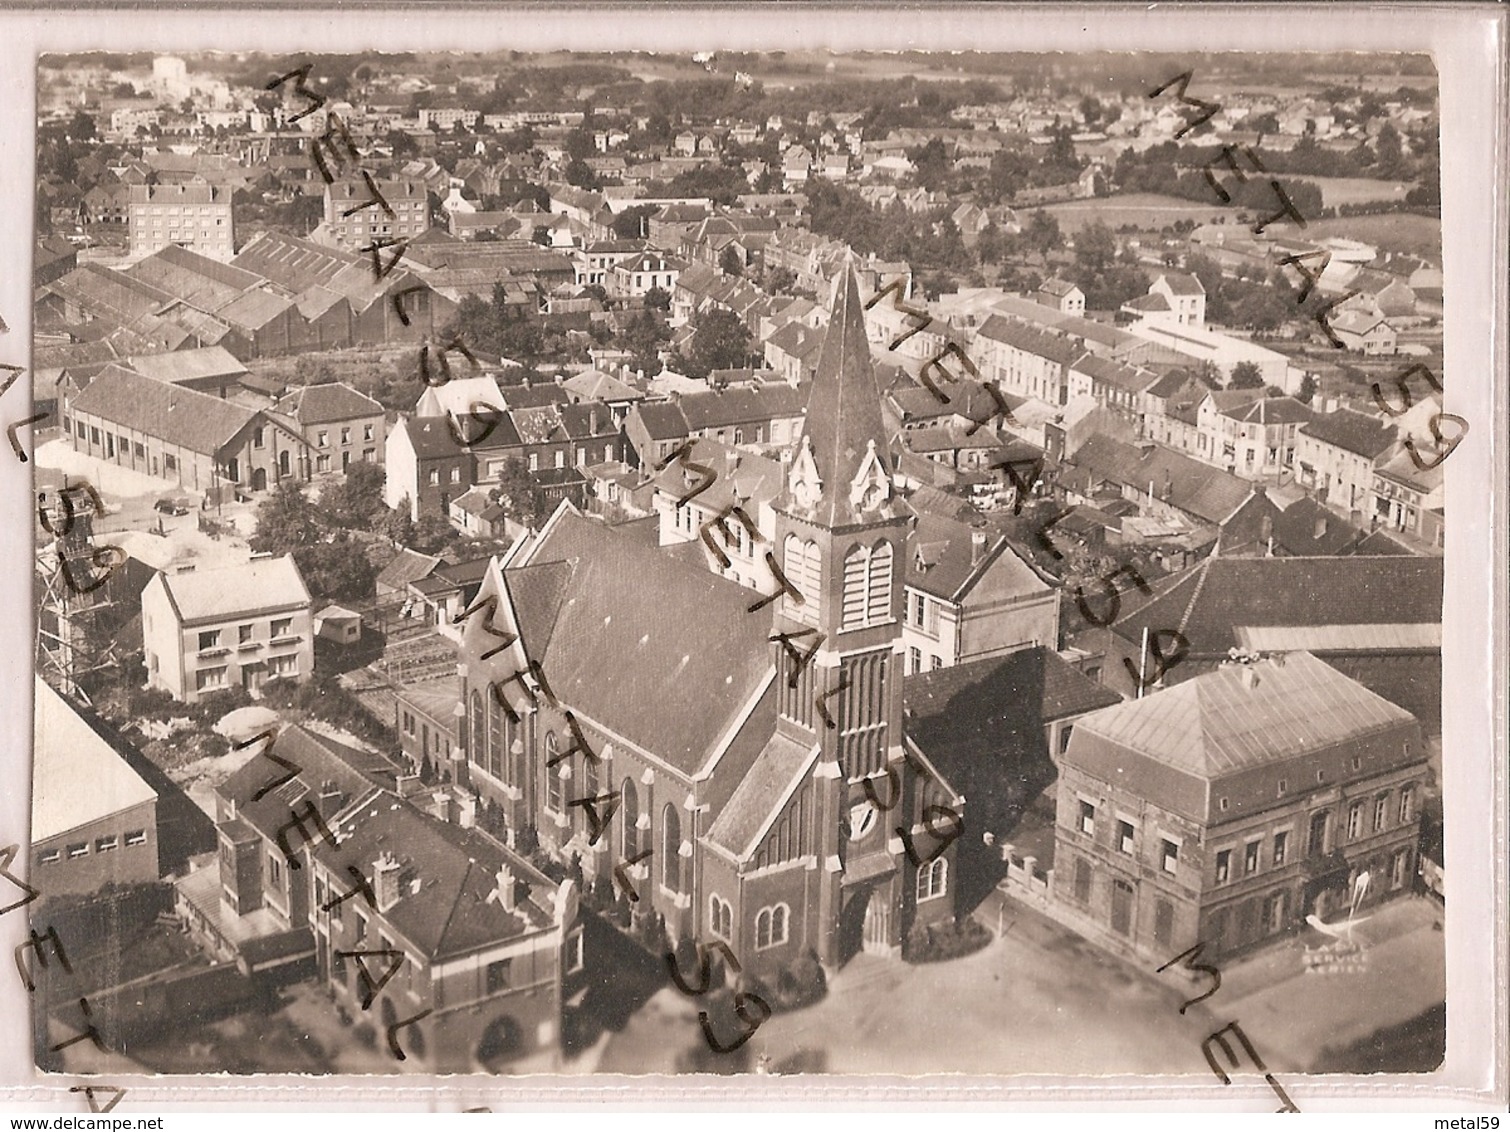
(739, 759)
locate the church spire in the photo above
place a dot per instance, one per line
(842, 472)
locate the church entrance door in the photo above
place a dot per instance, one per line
(876, 934)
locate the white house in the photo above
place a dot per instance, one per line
(238, 626)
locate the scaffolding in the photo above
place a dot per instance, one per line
(72, 573)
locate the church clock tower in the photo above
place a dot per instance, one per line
(840, 537)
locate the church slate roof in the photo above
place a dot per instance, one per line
(844, 418)
(671, 685)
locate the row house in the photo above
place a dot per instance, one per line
(1337, 453)
(596, 261)
(971, 596)
(1409, 498)
(235, 627)
(1254, 437)
(478, 946)
(1122, 388)
(733, 544)
(639, 274)
(1026, 360)
(1232, 806)
(433, 459)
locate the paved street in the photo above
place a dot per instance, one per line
(1053, 1003)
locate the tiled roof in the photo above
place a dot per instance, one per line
(458, 396)
(760, 794)
(331, 401)
(1183, 283)
(447, 902)
(1351, 431)
(1031, 339)
(344, 193)
(941, 560)
(981, 722)
(595, 385)
(1308, 529)
(1133, 379)
(663, 420)
(1207, 493)
(407, 566)
(742, 478)
(203, 283)
(261, 585)
(1209, 602)
(1270, 410)
(187, 365)
(171, 413)
(347, 771)
(1221, 722)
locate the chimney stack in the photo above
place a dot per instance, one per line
(385, 882)
(977, 547)
(506, 896)
(1320, 527)
(1248, 676)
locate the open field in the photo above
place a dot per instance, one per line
(1148, 211)
(1357, 190)
(1389, 232)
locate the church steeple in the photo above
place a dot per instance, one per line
(841, 474)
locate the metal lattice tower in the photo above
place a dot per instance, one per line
(71, 596)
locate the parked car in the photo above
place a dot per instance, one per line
(173, 505)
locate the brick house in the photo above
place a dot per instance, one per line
(340, 426)
(1229, 807)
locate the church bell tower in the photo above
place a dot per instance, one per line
(840, 538)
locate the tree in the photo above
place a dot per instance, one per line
(82, 127)
(1307, 391)
(720, 340)
(336, 569)
(1042, 233)
(357, 500)
(634, 222)
(580, 173)
(286, 520)
(730, 262)
(1095, 248)
(658, 299)
(643, 336)
(520, 494)
(1247, 375)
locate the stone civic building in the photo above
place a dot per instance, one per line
(1229, 807)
